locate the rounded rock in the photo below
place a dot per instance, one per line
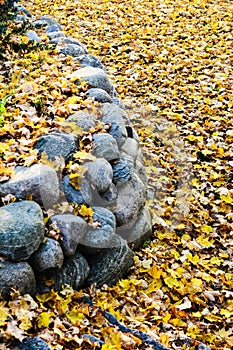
(105, 146)
(21, 229)
(100, 174)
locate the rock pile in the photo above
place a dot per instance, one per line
(114, 186)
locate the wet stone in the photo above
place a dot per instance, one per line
(49, 256)
(21, 229)
(56, 145)
(97, 239)
(19, 275)
(110, 265)
(105, 146)
(72, 228)
(38, 181)
(99, 173)
(81, 196)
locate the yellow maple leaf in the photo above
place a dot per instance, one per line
(43, 320)
(227, 199)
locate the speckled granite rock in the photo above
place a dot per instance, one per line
(89, 61)
(21, 229)
(82, 119)
(19, 274)
(99, 95)
(105, 146)
(100, 174)
(95, 77)
(56, 145)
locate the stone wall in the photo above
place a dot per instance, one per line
(70, 248)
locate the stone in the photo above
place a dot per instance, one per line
(118, 102)
(97, 239)
(67, 40)
(55, 34)
(16, 274)
(122, 170)
(72, 50)
(82, 119)
(99, 173)
(31, 343)
(130, 200)
(118, 131)
(81, 196)
(140, 231)
(21, 229)
(130, 147)
(54, 28)
(110, 195)
(95, 77)
(140, 170)
(89, 61)
(112, 113)
(72, 228)
(110, 265)
(56, 145)
(38, 181)
(132, 133)
(49, 256)
(73, 272)
(32, 36)
(50, 21)
(104, 145)
(99, 95)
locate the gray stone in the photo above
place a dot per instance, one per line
(139, 156)
(55, 34)
(54, 28)
(72, 228)
(112, 113)
(118, 131)
(140, 170)
(32, 36)
(81, 196)
(110, 195)
(122, 170)
(97, 239)
(110, 265)
(99, 95)
(130, 200)
(118, 102)
(31, 343)
(39, 181)
(82, 119)
(48, 256)
(140, 231)
(16, 274)
(72, 50)
(67, 40)
(130, 147)
(95, 77)
(73, 272)
(21, 229)
(99, 173)
(105, 146)
(89, 60)
(50, 21)
(57, 145)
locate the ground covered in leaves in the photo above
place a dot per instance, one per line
(171, 62)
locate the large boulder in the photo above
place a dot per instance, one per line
(21, 229)
(110, 265)
(72, 228)
(38, 181)
(16, 274)
(57, 145)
